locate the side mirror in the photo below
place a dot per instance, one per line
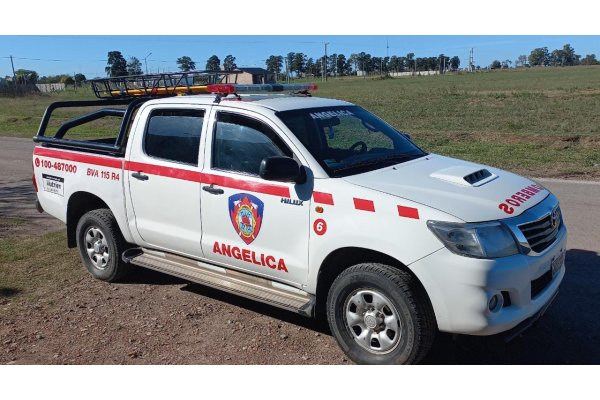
(283, 169)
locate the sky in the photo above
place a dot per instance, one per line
(87, 54)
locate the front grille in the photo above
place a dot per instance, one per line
(540, 234)
(539, 284)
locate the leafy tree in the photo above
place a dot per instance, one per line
(495, 64)
(116, 64)
(521, 61)
(506, 64)
(185, 64)
(342, 65)
(274, 64)
(443, 61)
(557, 58)
(455, 63)
(410, 61)
(353, 60)
(289, 61)
(568, 56)
(364, 61)
(298, 63)
(539, 57)
(79, 79)
(589, 59)
(26, 76)
(309, 67)
(68, 80)
(213, 63)
(229, 63)
(134, 66)
(332, 64)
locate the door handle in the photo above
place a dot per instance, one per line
(212, 190)
(140, 176)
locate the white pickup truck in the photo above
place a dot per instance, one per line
(310, 204)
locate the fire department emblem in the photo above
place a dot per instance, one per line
(246, 212)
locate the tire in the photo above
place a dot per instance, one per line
(101, 244)
(380, 315)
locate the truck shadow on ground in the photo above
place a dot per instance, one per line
(260, 308)
(567, 334)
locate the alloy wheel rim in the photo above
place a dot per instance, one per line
(97, 247)
(373, 321)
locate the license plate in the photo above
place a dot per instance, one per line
(557, 262)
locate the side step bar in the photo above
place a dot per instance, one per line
(239, 283)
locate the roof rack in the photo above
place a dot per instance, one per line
(156, 85)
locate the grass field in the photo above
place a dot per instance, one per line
(27, 270)
(539, 122)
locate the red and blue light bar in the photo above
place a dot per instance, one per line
(276, 87)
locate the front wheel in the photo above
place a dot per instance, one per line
(380, 315)
(100, 245)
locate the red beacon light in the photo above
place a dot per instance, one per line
(221, 88)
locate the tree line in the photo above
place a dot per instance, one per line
(299, 64)
(116, 64)
(542, 57)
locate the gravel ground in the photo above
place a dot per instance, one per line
(156, 319)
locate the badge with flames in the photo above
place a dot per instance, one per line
(246, 212)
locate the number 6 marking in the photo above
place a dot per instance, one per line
(320, 227)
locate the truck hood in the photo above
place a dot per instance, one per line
(471, 192)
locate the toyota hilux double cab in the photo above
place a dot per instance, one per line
(309, 204)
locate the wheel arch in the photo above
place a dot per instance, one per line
(340, 259)
(80, 203)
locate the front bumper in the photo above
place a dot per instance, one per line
(460, 288)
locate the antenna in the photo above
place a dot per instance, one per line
(471, 61)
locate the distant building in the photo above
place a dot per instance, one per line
(251, 75)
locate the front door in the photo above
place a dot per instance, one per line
(164, 180)
(249, 223)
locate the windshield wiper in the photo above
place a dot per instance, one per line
(368, 163)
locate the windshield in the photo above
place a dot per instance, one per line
(348, 140)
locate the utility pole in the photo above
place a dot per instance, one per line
(14, 75)
(325, 63)
(145, 64)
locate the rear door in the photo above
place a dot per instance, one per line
(249, 223)
(164, 178)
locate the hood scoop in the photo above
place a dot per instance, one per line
(465, 176)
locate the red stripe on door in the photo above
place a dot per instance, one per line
(323, 198)
(408, 212)
(78, 157)
(365, 205)
(259, 187)
(168, 172)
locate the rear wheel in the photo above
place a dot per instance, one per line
(380, 315)
(100, 245)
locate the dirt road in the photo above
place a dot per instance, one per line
(156, 319)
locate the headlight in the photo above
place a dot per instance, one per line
(483, 240)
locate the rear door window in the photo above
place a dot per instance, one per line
(174, 135)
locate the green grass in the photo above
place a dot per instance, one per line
(33, 267)
(9, 222)
(541, 122)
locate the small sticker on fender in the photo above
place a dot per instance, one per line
(54, 184)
